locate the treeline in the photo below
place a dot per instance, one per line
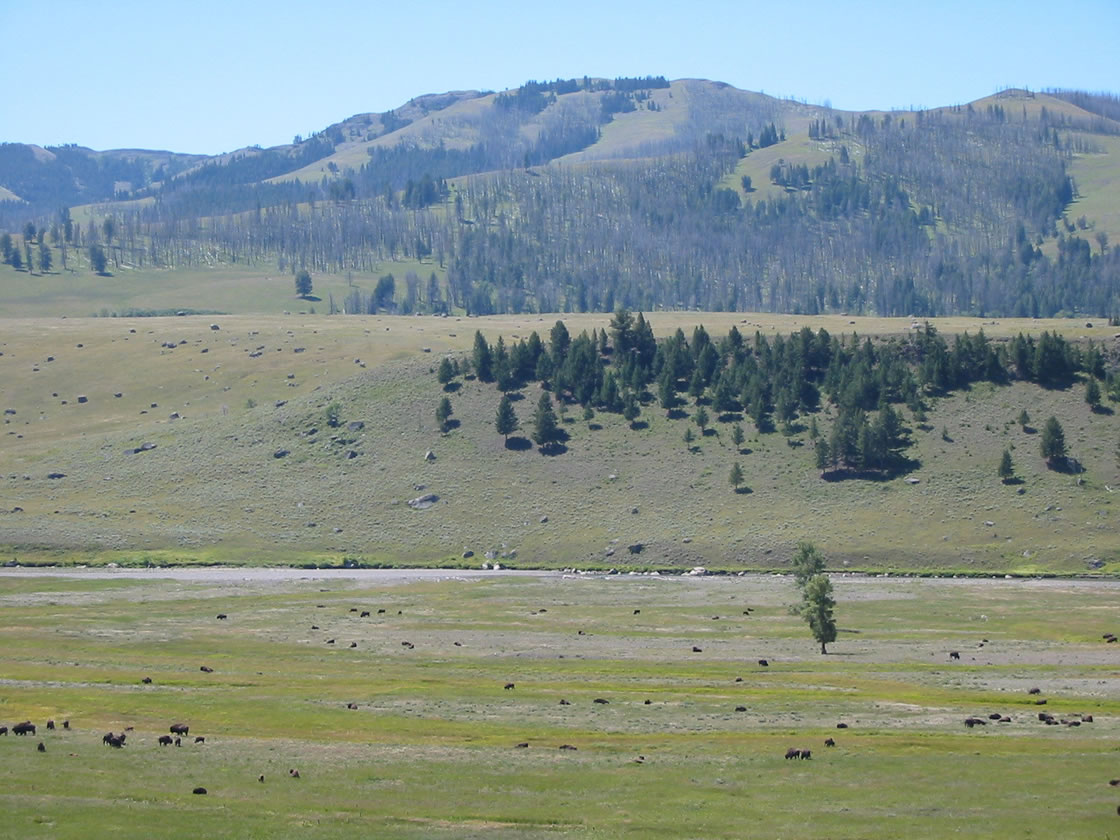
(780, 383)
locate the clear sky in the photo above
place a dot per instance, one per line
(208, 77)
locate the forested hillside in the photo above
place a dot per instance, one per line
(590, 194)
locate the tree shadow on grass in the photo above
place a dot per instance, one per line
(1013, 480)
(312, 298)
(452, 387)
(553, 448)
(515, 396)
(730, 417)
(594, 427)
(518, 443)
(1102, 409)
(675, 414)
(743, 491)
(450, 424)
(638, 425)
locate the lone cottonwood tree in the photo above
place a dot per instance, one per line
(816, 609)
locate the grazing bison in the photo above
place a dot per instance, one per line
(165, 740)
(115, 741)
(696, 649)
(42, 747)
(66, 724)
(351, 705)
(509, 686)
(649, 702)
(178, 742)
(1035, 691)
(1114, 782)
(792, 753)
(365, 614)
(201, 791)
(601, 701)
(637, 612)
(200, 740)
(294, 774)
(764, 663)
(353, 644)
(1040, 702)
(954, 654)
(994, 716)
(222, 616)
(740, 708)
(50, 724)
(524, 745)
(3, 730)
(565, 703)
(146, 680)
(806, 754)
(830, 742)
(206, 669)
(179, 729)
(260, 778)
(25, 728)
(841, 726)
(567, 747)
(1086, 718)
(379, 612)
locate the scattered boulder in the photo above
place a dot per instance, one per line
(423, 502)
(355, 426)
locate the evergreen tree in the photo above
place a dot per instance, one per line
(443, 414)
(689, 437)
(817, 607)
(303, 282)
(45, 258)
(506, 422)
(6, 247)
(630, 408)
(483, 361)
(446, 372)
(559, 341)
(736, 477)
(737, 436)
(97, 259)
(1053, 443)
(701, 418)
(1006, 468)
(16, 259)
(1093, 394)
(545, 427)
(1024, 419)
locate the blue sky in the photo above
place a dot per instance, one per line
(209, 77)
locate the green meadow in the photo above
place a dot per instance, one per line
(431, 745)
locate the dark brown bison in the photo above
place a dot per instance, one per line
(365, 614)
(764, 663)
(829, 742)
(522, 746)
(206, 669)
(201, 791)
(567, 747)
(509, 686)
(25, 728)
(1086, 718)
(792, 753)
(601, 701)
(294, 774)
(200, 740)
(697, 650)
(841, 726)
(954, 654)
(66, 724)
(3, 730)
(165, 740)
(806, 754)
(222, 616)
(260, 778)
(740, 708)
(351, 705)
(179, 729)
(42, 747)
(50, 724)
(1035, 691)
(565, 703)
(146, 680)
(637, 612)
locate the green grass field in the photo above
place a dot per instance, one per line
(430, 748)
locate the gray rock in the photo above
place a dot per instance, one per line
(423, 502)
(355, 426)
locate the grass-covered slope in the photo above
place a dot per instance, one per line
(213, 489)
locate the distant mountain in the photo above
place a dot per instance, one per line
(587, 194)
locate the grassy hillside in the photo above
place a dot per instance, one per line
(213, 490)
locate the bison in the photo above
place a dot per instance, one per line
(806, 754)
(222, 616)
(146, 680)
(206, 669)
(365, 614)
(200, 740)
(50, 724)
(201, 791)
(792, 753)
(954, 654)
(1035, 691)
(509, 686)
(25, 728)
(42, 747)
(179, 729)
(3, 730)
(601, 701)
(764, 663)
(165, 740)
(830, 742)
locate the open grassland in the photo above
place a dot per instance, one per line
(430, 747)
(228, 289)
(248, 471)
